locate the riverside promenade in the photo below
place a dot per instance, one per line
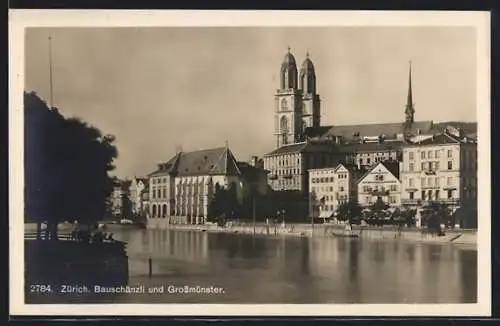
(389, 233)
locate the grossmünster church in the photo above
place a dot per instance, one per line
(303, 143)
(297, 104)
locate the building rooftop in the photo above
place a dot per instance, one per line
(392, 167)
(216, 161)
(391, 130)
(305, 147)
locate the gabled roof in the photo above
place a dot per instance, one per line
(392, 167)
(443, 139)
(371, 147)
(353, 170)
(305, 147)
(216, 161)
(377, 129)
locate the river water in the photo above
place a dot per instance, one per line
(281, 269)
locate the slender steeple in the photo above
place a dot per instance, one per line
(409, 110)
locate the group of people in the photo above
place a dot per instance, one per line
(94, 236)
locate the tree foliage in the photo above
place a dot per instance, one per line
(349, 210)
(66, 166)
(379, 205)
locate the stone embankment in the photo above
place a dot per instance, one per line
(463, 237)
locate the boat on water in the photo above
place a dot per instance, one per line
(344, 234)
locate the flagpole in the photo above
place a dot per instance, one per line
(50, 74)
(312, 213)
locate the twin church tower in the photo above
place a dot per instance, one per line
(297, 105)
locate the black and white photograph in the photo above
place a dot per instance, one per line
(204, 163)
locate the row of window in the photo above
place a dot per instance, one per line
(286, 172)
(328, 179)
(431, 182)
(429, 166)
(288, 182)
(157, 193)
(382, 189)
(371, 199)
(430, 195)
(325, 189)
(158, 180)
(376, 160)
(429, 154)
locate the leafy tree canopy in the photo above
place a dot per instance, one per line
(66, 166)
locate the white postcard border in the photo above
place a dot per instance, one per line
(21, 19)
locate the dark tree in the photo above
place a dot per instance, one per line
(379, 205)
(349, 211)
(66, 167)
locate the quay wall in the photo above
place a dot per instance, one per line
(455, 236)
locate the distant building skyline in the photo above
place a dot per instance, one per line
(159, 88)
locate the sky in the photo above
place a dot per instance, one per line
(156, 89)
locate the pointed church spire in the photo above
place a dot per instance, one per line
(410, 95)
(410, 110)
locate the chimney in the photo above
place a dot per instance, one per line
(253, 161)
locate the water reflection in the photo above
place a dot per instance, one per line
(298, 270)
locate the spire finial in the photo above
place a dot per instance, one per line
(307, 54)
(410, 110)
(289, 48)
(227, 144)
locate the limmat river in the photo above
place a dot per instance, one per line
(247, 269)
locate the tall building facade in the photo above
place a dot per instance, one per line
(297, 103)
(441, 169)
(181, 189)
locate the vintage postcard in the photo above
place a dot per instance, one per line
(249, 163)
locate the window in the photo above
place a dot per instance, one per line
(331, 188)
(429, 154)
(410, 182)
(154, 193)
(437, 153)
(429, 166)
(422, 167)
(410, 167)
(361, 161)
(450, 165)
(392, 199)
(159, 193)
(450, 153)
(423, 194)
(341, 188)
(450, 194)
(422, 155)
(411, 195)
(449, 181)
(437, 194)
(422, 182)
(437, 166)
(331, 179)
(393, 188)
(429, 182)
(368, 161)
(164, 193)
(436, 182)
(411, 156)
(284, 105)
